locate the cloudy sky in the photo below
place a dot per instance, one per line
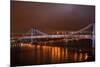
(50, 17)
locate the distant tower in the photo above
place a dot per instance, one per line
(93, 39)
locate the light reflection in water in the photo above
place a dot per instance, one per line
(80, 56)
(86, 56)
(42, 54)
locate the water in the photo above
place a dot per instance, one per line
(34, 54)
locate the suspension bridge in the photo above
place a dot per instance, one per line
(38, 36)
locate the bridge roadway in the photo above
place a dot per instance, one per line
(57, 36)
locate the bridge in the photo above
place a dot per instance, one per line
(35, 35)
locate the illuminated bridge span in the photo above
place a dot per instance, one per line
(58, 36)
(36, 34)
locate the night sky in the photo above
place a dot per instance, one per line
(49, 17)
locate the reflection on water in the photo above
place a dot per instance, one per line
(46, 54)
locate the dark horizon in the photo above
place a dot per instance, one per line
(50, 17)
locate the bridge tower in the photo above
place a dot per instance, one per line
(36, 32)
(33, 33)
